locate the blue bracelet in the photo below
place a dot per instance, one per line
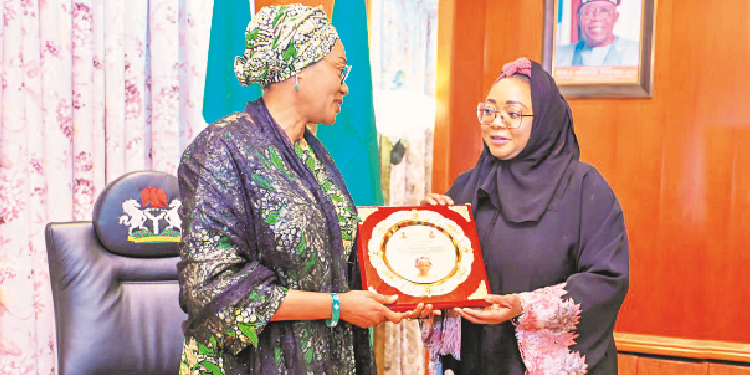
(334, 311)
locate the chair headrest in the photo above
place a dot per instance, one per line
(137, 215)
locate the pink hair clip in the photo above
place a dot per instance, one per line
(520, 66)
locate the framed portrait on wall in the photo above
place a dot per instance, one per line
(600, 48)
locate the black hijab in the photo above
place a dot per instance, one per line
(522, 188)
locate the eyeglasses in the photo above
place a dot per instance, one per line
(343, 72)
(511, 115)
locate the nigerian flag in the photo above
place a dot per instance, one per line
(353, 140)
(223, 94)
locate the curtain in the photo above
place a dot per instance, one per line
(404, 61)
(91, 89)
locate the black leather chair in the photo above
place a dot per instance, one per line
(114, 281)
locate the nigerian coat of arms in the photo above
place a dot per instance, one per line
(154, 219)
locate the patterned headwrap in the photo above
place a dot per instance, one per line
(282, 40)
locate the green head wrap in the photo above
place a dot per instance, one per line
(282, 40)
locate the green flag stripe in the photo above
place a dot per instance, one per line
(223, 94)
(352, 140)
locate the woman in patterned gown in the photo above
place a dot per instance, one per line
(267, 260)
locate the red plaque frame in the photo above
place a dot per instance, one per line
(468, 293)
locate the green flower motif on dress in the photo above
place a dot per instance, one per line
(307, 346)
(346, 215)
(289, 52)
(277, 353)
(225, 243)
(262, 182)
(249, 331)
(280, 15)
(271, 158)
(302, 246)
(198, 358)
(310, 263)
(271, 216)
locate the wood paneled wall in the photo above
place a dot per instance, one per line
(679, 162)
(634, 365)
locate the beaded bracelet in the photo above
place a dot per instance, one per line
(334, 311)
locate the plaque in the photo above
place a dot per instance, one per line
(425, 254)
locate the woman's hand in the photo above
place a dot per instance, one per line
(422, 311)
(504, 307)
(435, 199)
(366, 309)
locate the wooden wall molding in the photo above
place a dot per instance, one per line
(686, 348)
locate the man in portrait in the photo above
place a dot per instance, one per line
(598, 44)
(423, 264)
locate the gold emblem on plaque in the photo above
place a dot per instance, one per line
(461, 210)
(480, 293)
(364, 212)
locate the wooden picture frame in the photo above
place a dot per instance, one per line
(624, 68)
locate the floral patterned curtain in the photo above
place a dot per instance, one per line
(404, 62)
(91, 89)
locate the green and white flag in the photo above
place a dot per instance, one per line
(353, 140)
(223, 94)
